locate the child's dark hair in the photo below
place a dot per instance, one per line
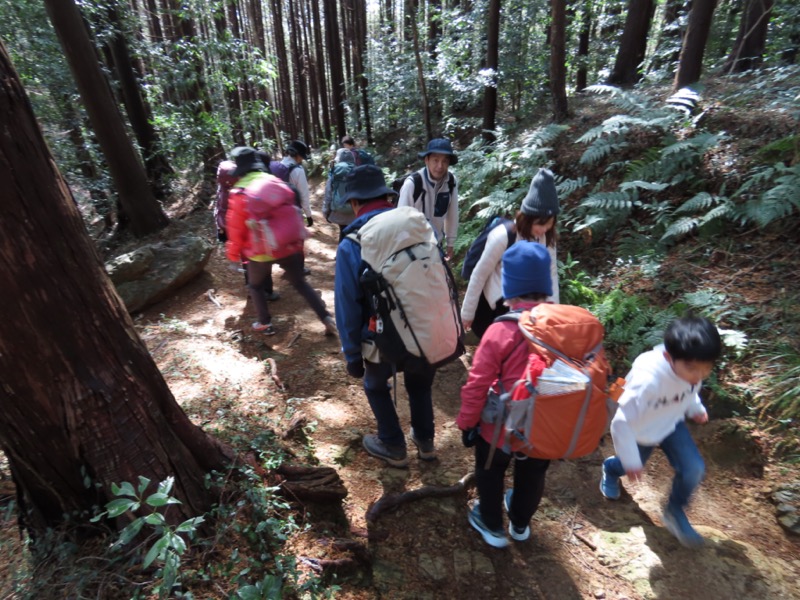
(693, 338)
(348, 139)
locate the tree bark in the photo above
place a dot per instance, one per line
(748, 49)
(84, 405)
(633, 44)
(141, 208)
(423, 90)
(581, 74)
(690, 63)
(339, 93)
(492, 65)
(558, 56)
(322, 79)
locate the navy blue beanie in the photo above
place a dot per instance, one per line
(526, 270)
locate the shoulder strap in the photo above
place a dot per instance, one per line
(451, 182)
(416, 177)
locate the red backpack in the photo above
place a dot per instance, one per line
(565, 411)
(274, 219)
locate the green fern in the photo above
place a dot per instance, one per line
(780, 200)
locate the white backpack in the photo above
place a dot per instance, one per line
(415, 318)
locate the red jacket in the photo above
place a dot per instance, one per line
(502, 355)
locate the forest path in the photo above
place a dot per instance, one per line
(583, 546)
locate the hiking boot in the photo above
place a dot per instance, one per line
(395, 456)
(516, 533)
(330, 326)
(495, 538)
(265, 328)
(609, 485)
(425, 448)
(677, 524)
(273, 296)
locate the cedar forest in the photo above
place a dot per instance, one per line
(671, 127)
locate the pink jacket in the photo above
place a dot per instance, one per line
(502, 355)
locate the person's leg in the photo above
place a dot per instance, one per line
(485, 315)
(685, 458)
(489, 483)
(418, 385)
(529, 476)
(379, 395)
(257, 273)
(612, 470)
(293, 266)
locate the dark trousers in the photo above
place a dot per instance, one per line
(529, 476)
(379, 395)
(260, 278)
(485, 315)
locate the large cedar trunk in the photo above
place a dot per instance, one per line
(138, 202)
(690, 63)
(633, 44)
(83, 403)
(333, 46)
(492, 54)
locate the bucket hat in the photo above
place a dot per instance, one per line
(247, 159)
(440, 146)
(365, 183)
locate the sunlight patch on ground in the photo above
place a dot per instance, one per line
(331, 414)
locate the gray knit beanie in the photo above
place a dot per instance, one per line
(542, 198)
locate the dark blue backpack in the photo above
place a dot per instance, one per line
(476, 248)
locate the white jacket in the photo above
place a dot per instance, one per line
(655, 400)
(486, 278)
(446, 225)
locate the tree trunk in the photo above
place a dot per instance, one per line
(633, 44)
(748, 48)
(558, 55)
(423, 91)
(361, 46)
(137, 200)
(284, 78)
(84, 405)
(300, 69)
(322, 79)
(690, 63)
(581, 74)
(492, 65)
(332, 45)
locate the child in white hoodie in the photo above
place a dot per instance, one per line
(661, 390)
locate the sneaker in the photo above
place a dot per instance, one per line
(425, 449)
(330, 326)
(609, 485)
(394, 455)
(677, 524)
(273, 296)
(516, 533)
(265, 328)
(495, 538)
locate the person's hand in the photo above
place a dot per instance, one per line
(221, 236)
(701, 418)
(469, 437)
(355, 368)
(467, 324)
(309, 221)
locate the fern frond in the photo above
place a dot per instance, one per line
(611, 201)
(599, 150)
(567, 186)
(680, 228)
(643, 185)
(696, 203)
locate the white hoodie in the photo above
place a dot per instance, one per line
(655, 400)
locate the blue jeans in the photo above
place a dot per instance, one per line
(683, 455)
(379, 395)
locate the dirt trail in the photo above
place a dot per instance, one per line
(583, 546)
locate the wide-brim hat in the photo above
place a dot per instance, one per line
(440, 146)
(365, 183)
(247, 160)
(300, 148)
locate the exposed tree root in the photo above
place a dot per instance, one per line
(390, 502)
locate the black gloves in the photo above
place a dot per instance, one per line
(469, 437)
(221, 236)
(355, 368)
(309, 221)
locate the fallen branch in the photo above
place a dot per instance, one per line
(210, 295)
(583, 538)
(390, 502)
(293, 340)
(273, 372)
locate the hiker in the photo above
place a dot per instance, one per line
(661, 391)
(433, 190)
(501, 359)
(360, 156)
(334, 208)
(294, 155)
(369, 198)
(225, 181)
(535, 221)
(256, 189)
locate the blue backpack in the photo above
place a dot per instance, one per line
(338, 173)
(476, 248)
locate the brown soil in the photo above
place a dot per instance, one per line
(582, 546)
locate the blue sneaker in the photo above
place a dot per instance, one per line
(495, 538)
(678, 525)
(517, 534)
(609, 485)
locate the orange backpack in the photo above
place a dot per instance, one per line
(566, 410)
